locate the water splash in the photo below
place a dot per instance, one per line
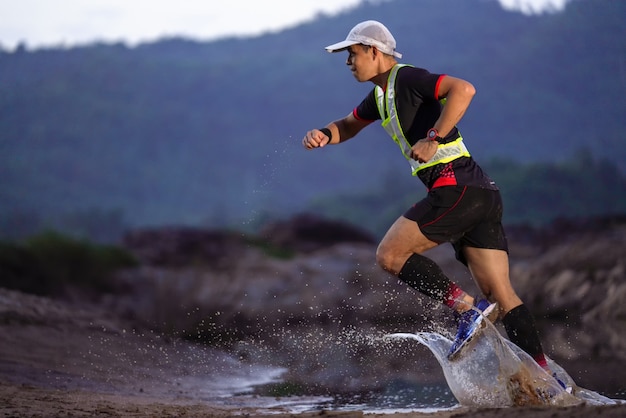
(493, 372)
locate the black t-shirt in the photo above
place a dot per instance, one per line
(418, 107)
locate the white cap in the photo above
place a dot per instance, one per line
(370, 33)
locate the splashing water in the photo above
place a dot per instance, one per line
(494, 372)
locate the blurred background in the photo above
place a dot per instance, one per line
(151, 165)
(198, 119)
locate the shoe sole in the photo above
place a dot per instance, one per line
(479, 326)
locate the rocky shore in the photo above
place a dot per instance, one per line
(302, 291)
(304, 297)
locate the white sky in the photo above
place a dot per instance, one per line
(41, 23)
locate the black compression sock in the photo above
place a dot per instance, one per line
(425, 276)
(522, 331)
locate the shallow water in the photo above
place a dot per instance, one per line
(481, 378)
(220, 378)
(398, 396)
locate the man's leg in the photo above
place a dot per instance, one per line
(400, 254)
(490, 269)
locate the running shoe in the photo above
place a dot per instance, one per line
(470, 323)
(566, 388)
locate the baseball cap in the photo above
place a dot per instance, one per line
(370, 33)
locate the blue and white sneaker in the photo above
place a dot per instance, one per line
(470, 323)
(565, 387)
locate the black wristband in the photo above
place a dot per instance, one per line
(327, 132)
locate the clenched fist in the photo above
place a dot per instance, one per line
(424, 150)
(314, 139)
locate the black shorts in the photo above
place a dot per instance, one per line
(462, 215)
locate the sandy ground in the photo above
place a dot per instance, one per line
(31, 401)
(56, 360)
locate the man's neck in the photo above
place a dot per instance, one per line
(383, 75)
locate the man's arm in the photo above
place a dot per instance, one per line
(458, 94)
(340, 130)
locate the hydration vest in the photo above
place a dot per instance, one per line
(385, 100)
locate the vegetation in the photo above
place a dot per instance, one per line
(49, 263)
(271, 250)
(578, 187)
(101, 138)
(535, 194)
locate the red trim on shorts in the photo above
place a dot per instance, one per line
(437, 85)
(446, 212)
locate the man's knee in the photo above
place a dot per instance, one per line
(385, 258)
(391, 258)
(403, 239)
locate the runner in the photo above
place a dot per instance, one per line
(420, 111)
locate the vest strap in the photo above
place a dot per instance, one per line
(385, 101)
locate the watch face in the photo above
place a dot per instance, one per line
(432, 134)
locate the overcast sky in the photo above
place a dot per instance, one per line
(40, 23)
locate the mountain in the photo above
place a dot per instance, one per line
(104, 137)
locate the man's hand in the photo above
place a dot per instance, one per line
(424, 150)
(314, 139)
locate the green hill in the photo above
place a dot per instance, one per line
(99, 138)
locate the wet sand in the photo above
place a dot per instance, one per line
(31, 401)
(57, 360)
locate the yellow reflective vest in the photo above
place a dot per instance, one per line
(385, 100)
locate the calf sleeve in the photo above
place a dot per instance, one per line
(425, 276)
(522, 331)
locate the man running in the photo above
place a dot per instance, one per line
(420, 111)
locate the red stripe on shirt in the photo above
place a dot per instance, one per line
(437, 86)
(356, 115)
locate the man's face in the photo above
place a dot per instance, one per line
(361, 62)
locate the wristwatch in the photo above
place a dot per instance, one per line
(433, 134)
